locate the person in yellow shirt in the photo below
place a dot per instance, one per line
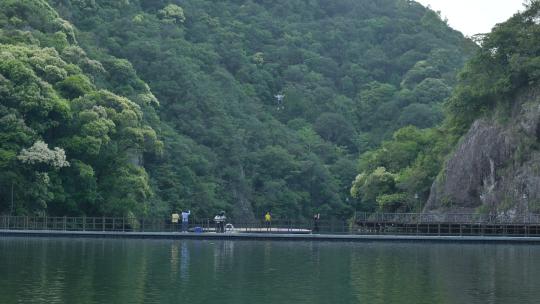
(174, 220)
(268, 220)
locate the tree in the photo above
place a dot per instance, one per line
(420, 115)
(335, 128)
(75, 86)
(421, 70)
(367, 187)
(172, 13)
(431, 91)
(139, 93)
(39, 153)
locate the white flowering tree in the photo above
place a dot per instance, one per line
(41, 159)
(39, 153)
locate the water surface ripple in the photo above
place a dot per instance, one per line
(42, 270)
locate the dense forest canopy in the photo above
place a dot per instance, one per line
(139, 107)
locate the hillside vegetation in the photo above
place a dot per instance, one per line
(140, 107)
(484, 156)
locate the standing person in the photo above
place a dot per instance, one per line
(217, 219)
(185, 220)
(220, 222)
(268, 220)
(174, 220)
(316, 219)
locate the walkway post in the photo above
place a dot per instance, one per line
(12, 185)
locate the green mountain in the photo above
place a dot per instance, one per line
(484, 157)
(497, 106)
(144, 106)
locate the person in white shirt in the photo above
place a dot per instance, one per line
(220, 222)
(185, 220)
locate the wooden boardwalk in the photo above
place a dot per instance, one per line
(364, 227)
(461, 225)
(271, 236)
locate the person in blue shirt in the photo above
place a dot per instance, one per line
(185, 220)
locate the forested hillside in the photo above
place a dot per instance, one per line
(139, 107)
(497, 105)
(484, 156)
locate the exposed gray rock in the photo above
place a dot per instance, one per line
(242, 210)
(496, 166)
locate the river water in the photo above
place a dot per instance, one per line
(42, 270)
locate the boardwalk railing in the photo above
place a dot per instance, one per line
(363, 223)
(447, 224)
(455, 218)
(128, 224)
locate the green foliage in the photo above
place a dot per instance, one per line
(96, 135)
(128, 190)
(172, 13)
(420, 115)
(370, 187)
(392, 202)
(74, 86)
(411, 161)
(160, 106)
(506, 62)
(335, 128)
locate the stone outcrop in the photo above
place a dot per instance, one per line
(242, 210)
(496, 166)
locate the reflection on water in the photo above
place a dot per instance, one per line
(160, 271)
(223, 254)
(179, 261)
(184, 262)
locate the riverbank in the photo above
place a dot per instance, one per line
(269, 236)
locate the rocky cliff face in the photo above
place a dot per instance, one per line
(496, 167)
